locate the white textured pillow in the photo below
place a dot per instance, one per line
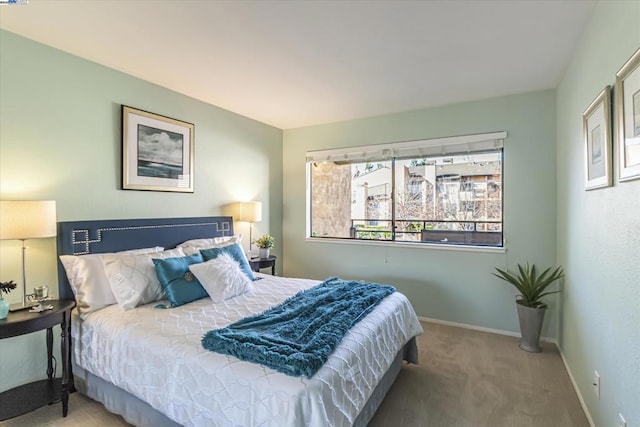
(133, 278)
(191, 247)
(89, 281)
(222, 278)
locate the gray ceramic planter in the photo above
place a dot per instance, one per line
(530, 327)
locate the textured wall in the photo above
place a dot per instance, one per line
(331, 199)
(599, 231)
(60, 139)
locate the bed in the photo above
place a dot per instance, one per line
(148, 364)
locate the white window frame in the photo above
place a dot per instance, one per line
(419, 148)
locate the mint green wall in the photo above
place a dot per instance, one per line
(455, 286)
(599, 231)
(60, 139)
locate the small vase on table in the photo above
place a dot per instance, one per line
(4, 308)
(5, 287)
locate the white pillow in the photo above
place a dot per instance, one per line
(222, 277)
(133, 278)
(191, 247)
(89, 281)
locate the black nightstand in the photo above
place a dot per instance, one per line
(258, 263)
(25, 398)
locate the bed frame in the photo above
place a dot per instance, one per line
(92, 237)
(100, 236)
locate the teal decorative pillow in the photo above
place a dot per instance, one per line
(235, 251)
(180, 285)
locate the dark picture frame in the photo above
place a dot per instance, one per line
(157, 152)
(628, 118)
(596, 126)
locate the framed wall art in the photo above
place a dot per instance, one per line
(157, 152)
(596, 125)
(628, 118)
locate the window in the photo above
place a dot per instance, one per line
(441, 191)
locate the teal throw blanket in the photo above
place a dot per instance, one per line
(297, 336)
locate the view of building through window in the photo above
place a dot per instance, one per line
(453, 199)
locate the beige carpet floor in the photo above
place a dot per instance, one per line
(465, 379)
(477, 379)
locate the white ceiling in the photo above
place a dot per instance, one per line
(299, 63)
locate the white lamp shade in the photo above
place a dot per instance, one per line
(27, 219)
(248, 211)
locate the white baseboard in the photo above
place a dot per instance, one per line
(577, 390)
(482, 329)
(515, 334)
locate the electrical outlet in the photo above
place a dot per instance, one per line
(596, 384)
(621, 421)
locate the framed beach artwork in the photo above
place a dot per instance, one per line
(628, 118)
(596, 123)
(157, 152)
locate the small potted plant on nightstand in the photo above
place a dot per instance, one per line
(265, 243)
(5, 288)
(531, 309)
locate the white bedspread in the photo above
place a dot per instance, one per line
(157, 356)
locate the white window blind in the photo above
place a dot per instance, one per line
(412, 149)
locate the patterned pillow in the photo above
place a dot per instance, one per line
(235, 251)
(133, 278)
(89, 281)
(194, 246)
(180, 285)
(222, 277)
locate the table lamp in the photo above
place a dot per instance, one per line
(248, 212)
(22, 220)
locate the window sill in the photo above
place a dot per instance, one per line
(411, 245)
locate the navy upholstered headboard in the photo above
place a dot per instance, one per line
(100, 236)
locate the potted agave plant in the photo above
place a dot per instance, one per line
(532, 287)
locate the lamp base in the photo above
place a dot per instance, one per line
(20, 306)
